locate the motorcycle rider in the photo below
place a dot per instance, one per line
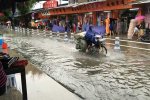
(91, 38)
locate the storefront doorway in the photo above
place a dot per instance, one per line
(125, 17)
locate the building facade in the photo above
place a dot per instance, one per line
(82, 1)
(80, 11)
(50, 4)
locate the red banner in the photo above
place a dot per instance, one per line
(50, 4)
(1, 14)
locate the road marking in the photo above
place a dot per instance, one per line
(131, 47)
(129, 41)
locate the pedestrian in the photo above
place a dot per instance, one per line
(74, 28)
(79, 26)
(107, 21)
(111, 27)
(118, 29)
(67, 29)
(132, 28)
(50, 25)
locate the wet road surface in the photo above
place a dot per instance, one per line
(39, 86)
(121, 75)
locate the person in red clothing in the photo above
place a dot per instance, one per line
(74, 28)
(3, 79)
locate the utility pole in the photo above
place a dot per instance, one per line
(60, 2)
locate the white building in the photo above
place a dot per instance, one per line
(63, 2)
(38, 5)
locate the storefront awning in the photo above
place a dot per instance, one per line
(76, 4)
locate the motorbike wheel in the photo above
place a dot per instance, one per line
(145, 40)
(93, 50)
(103, 50)
(83, 45)
(77, 46)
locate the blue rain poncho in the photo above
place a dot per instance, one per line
(58, 28)
(92, 32)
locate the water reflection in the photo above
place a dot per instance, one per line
(39, 85)
(86, 63)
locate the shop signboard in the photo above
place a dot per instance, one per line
(50, 4)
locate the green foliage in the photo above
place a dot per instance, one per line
(7, 12)
(25, 7)
(3, 18)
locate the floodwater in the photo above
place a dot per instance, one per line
(39, 86)
(120, 75)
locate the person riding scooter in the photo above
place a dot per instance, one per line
(91, 39)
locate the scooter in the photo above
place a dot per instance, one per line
(146, 36)
(82, 45)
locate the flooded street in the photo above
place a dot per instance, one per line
(42, 86)
(39, 85)
(121, 75)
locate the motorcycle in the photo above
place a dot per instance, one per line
(146, 36)
(98, 46)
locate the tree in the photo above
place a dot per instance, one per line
(26, 6)
(8, 7)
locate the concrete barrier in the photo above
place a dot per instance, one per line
(66, 37)
(117, 43)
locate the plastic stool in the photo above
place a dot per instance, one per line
(11, 81)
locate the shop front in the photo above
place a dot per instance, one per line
(125, 17)
(147, 15)
(101, 17)
(94, 13)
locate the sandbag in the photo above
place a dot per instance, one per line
(80, 35)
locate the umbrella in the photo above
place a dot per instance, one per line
(140, 17)
(8, 22)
